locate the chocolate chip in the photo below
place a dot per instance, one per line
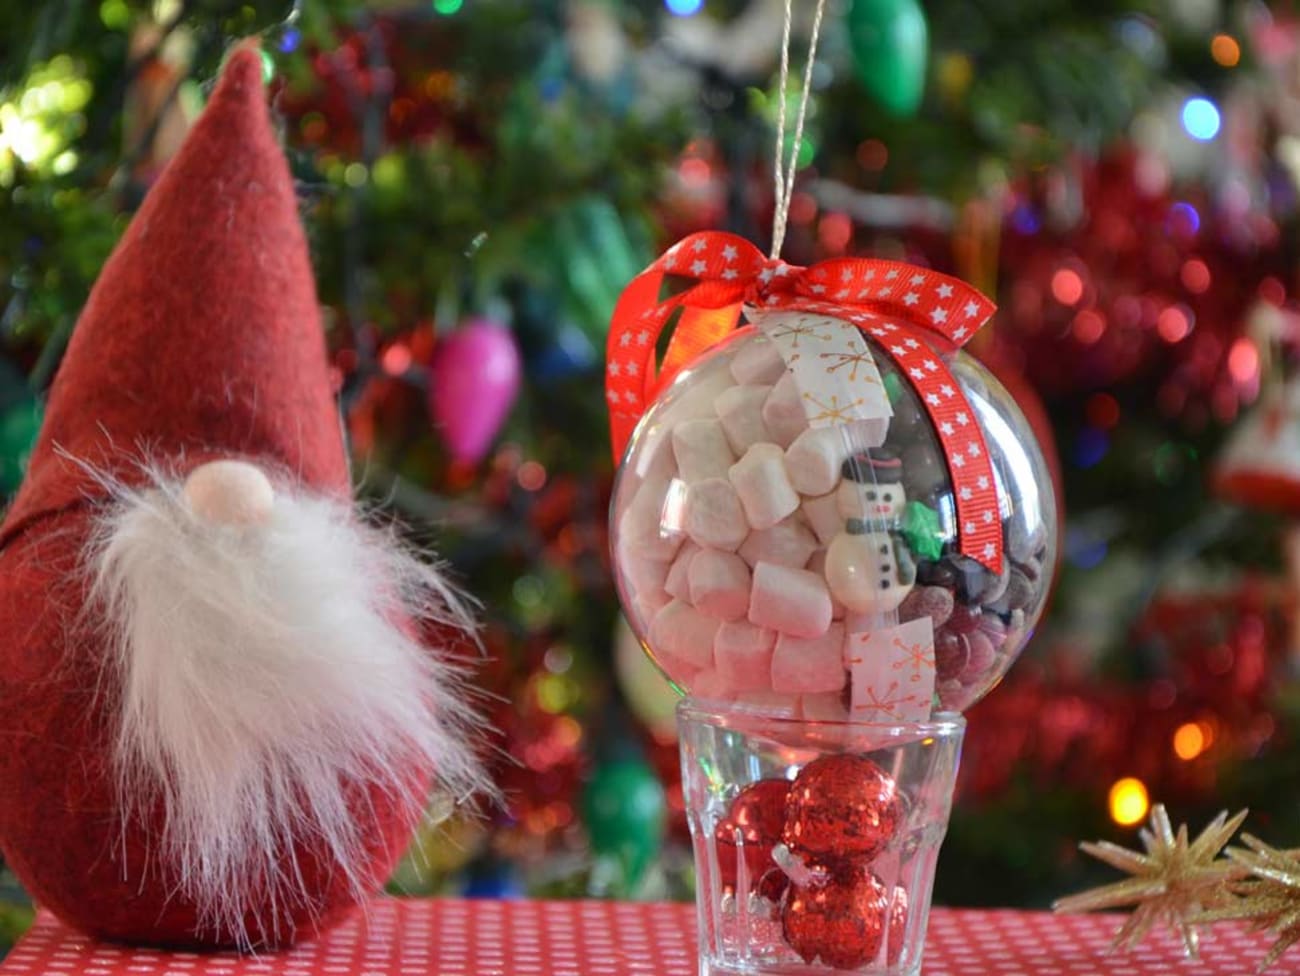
(950, 654)
(935, 602)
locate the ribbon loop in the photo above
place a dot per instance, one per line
(912, 314)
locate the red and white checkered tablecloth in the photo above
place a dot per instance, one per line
(441, 937)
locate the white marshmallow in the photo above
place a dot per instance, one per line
(714, 518)
(701, 450)
(826, 707)
(655, 461)
(774, 703)
(692, 395)
(814, 459)
(719, 584)
(676, 584)
(743, 655)
(764, 487)
(823, 514)
(740, 408)
(863, 434)
(809, 665)
(680, 631)
(757, 361)
(645, 577)
(711, 686)
(793, 601)
(643, 526)
(783, 411)
(788, 543)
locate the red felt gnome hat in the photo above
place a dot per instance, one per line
(208, 304)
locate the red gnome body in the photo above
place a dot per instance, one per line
(217, 727)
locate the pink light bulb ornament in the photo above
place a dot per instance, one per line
(475, 377)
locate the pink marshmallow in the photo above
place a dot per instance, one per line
(783, 412)
(823, 515)
(719, 584)
(826, 707)
(712, 686)
(764, 488)
(817, 564)
(647, 578)
(740, 408)
(714, 518)
(680, 631)
(643, 524)
(788, 543)
(773, 703)
(757, 362)
(792, 601)
(701, 450)
(743, 654)
(676, 583)
(809, 665)
(814, 459)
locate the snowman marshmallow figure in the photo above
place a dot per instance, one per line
(869, 567)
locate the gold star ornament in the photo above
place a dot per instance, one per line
(1174, 883)
(1269, 898)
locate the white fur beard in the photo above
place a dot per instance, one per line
(261, 670)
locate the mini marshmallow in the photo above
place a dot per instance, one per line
(827, 707)
(814, 459)
(823, 515)
(792, 601)
(808, 665)
(740, 408)
(693, 400)
(714, 518)
(654, 461)
(719, 584)
(864, 434)
(783, 411)
(647, 578)
(643, 525)
(743, 654)
(764, 487)
(701, 450)
(710, 685)
(774, 703)
(680, 631)
(788, 543)
(757, 362)
(676, 584)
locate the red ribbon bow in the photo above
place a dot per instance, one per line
(914, 314)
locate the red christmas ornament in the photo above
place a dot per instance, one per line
(897, 925)
(842, 921)
(758, 813)
(842, 806)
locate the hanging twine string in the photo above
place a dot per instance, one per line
(783, 172)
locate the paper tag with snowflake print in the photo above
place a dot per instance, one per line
(892, 672)
(833, 370)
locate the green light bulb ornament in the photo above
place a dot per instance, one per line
(889, 40)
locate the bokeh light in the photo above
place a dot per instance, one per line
(1174, 323)
(1103, 411)
(1067, 286)
(1201, 118)
(1195, 276)
(1189, 741)
(1088, 326)
(684, 8)
(1128, 801)
(1243, 361)
(1225, 50)
(447, 7)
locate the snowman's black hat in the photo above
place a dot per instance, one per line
(875, 466)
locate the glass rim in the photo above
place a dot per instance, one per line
(705, 712)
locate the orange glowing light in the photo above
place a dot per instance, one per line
(531, 476)
(694, 170)
(1088, 327)
(1129, 802)
(396, 359)
(1189, 741)
(872, 154)
(1225, 50)
(1195, 276)
(1174, 324)
(835, 231)
(1243, 361)
(1067, 286)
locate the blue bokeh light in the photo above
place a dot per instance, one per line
(683, 8)
(1201, 119)
(1090, 447)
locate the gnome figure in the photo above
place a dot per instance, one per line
(222, 715)
(869, 567)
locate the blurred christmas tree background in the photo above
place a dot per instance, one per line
(480, 178)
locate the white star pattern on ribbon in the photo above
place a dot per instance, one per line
(945, 291)
(911, 298)
(728, 254)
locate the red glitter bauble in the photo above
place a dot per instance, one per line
(842, 921)
(841, 806)
(897, 925)
(758, 813)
